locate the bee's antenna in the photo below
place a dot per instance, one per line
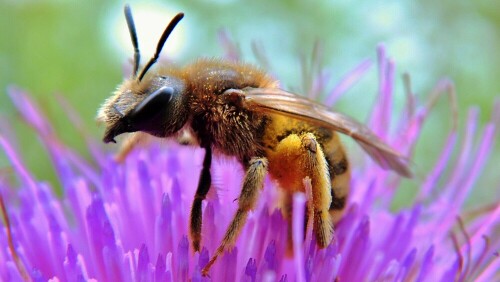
(161, 42)
(133, 36)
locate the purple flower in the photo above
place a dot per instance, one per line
(128, 222)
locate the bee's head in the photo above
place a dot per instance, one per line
(159, 108)
(154, 104)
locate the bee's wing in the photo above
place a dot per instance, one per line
(282, 102)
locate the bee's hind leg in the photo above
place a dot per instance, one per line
(299, 156)
(252, 184)
(317, 169)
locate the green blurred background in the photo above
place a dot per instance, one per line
(78, 50)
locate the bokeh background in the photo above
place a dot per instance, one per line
(77, 49)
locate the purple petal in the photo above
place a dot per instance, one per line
(232, 51)
(143, 270)
(427, 264)
(270, 263)
(37, 276)
(407, 265)
(160, 269)
(250, 271)
(163, 227)
(298, 234)
(226, 266)
(72, 266)
(204, 258)
(29, 110)
(452, 272)
(182, 264)
(348, 81)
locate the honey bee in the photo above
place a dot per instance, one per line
(238, 110)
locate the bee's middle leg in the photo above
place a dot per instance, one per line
(201, 193)
(252, 184)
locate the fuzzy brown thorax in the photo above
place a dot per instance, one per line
(216, 119)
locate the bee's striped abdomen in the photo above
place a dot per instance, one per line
(340, 175)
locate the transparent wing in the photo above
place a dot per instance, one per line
(275, 100)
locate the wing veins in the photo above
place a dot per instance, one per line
(274, 100)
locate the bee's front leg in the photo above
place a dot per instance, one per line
(201, 192)
(133, 140)
(252, 183)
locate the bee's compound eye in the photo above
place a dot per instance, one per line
(153, 104)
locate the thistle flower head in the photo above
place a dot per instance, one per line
(128, 222)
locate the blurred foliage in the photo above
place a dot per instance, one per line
(72, 48)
